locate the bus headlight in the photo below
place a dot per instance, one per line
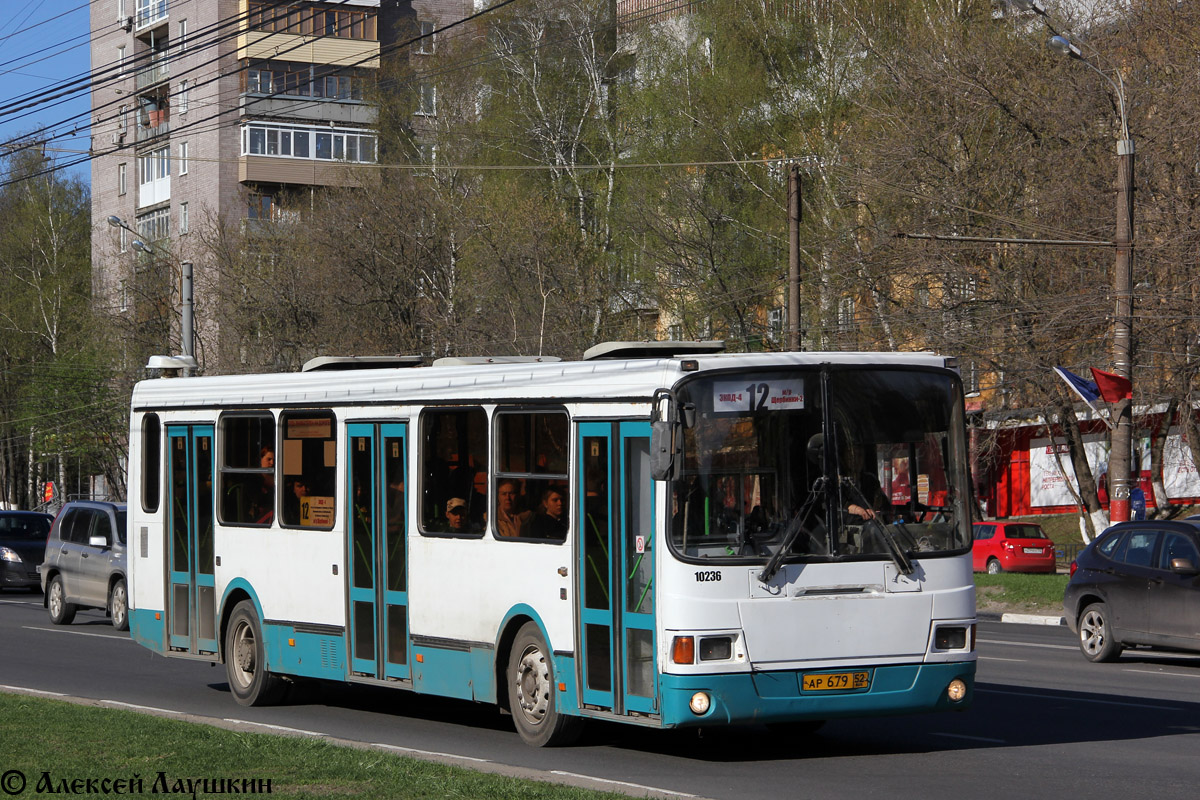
(956, 691)
(700, 703)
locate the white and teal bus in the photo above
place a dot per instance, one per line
(659, 534)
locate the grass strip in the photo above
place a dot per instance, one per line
(1036, 594)
(70, 742)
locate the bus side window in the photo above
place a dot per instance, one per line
(532, 500)
(309, 462)
(454, 469)
(248, 469)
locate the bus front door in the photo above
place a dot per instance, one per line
(616, 568)
(191, 597)
(377, 551)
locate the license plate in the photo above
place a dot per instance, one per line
(1037, 551)
(835, 681)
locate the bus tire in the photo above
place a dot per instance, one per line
(531, 693)
(61, 612)
(245, 660)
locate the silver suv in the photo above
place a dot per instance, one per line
(85, 563)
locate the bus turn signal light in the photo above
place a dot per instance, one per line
(683, 650)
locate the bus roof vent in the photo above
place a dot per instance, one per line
(333, 363)
(474, 361)
(606, 350)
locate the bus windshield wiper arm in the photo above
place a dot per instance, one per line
(794, 529)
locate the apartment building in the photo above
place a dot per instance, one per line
(212, 110)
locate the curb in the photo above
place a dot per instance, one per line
(1032, 619)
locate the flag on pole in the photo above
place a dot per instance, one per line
(1112, 387)
(1087, 390)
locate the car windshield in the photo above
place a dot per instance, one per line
(1024, 532)
(821, 465)
(24, 527)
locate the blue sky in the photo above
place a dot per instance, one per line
(44, 43)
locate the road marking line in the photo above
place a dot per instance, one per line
(971, 738)
(998, 658)
(78, 633)
(23, 690)
(19, 603)
(621, 783)
(1079, 700)
(400, 749)
(1160, 672)
(277, 727)
(1028, 644)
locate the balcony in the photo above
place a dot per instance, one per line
(150, 13)
(158, 71)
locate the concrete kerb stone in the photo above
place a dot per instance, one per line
(1022, 619)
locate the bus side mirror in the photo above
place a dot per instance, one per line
(666, 437)
(665, 451)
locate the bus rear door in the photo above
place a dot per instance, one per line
(191, 597)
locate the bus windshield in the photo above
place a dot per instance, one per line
(821, 464)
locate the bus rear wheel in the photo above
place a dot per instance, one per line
(531, 693)
(245, 660)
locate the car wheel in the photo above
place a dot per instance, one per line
(61, 612)
(245, 660)
(993, 567)
(531, 694)
(1095, 637)
(118, 606)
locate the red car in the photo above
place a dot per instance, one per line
(1011, 547)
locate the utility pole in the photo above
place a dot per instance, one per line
(793, 306)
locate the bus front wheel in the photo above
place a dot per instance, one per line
(245, 660)
(531, 693)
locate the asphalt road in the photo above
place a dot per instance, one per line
(1045, 723)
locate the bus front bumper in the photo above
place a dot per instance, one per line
(770, 697)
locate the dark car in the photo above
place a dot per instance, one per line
(22, 546)
(1138, 583)
(1011, 547)
(85, 562)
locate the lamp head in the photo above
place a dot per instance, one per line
(1062, 45)
(138, 244)
(115, 221)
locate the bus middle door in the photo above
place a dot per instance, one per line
(377, 555)
(616, 568)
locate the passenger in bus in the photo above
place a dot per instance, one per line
(477, 501)
(511, 522)
(262, 504)
(551, 521)
(297, 489)
(456, 516)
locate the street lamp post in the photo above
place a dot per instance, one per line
(187, 327)
(1120, 464)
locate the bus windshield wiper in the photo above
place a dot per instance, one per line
(793, 531)
(901, 559)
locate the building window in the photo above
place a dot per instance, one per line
(427, 42)
(346, 144)
(427, 103)
(183, 158)
(122, 178)
(305, 80)
(121, 60)
(123, 295)
(154, 176)
(181, 97)
(315, 20)
(775, 324)
(182, 34)
(184, 222)
(845, 314)
(155, 226)
(123, 240)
